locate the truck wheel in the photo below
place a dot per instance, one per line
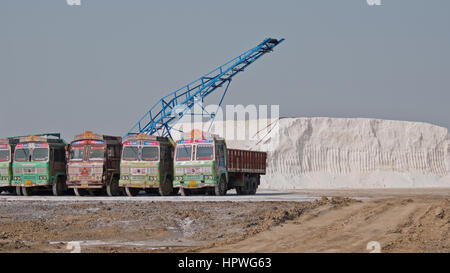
(18, 190)
(221, 188)
(185, 192)
(131, 191)
(27, 191)
(166, 188)
(253, 186)
(113, 188)
(241, 190)
(58, 187)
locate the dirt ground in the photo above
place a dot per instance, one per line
(400, 223)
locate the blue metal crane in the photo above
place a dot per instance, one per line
(163, 116)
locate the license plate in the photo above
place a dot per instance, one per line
(192, 184)
(85, 185)
(27, 182)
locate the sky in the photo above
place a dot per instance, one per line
(101, 65)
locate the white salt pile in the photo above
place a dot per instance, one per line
(330, 153)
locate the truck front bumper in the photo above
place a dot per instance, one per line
(5, 181)
(30, 181)
(85, 184)
(137, 181)
(197, 182)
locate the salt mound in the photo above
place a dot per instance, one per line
(327, 153)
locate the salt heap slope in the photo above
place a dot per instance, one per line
(330, 153)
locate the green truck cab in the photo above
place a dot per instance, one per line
(40, 164)
(203, 163)
(147, 164)
(7, 146)
(94, 164)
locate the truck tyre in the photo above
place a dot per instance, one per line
(18, 190)
(185, 192)
(79, 192)
(131, 191)
(58, 187)
(253, 186)
(240, 190)
(27, 191)
(166, 188)
(113, 188)
(221, 188)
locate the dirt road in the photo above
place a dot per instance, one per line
(420, 224)
(401, 221)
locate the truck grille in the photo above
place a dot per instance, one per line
(29, 170)
(85, 171)
(138, 171)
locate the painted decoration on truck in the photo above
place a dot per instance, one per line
(150, 143)
(40, 145)
(140, 137)
(130, 143)
(32, 145)
(188, 141)
(88, 135)
(33, 139)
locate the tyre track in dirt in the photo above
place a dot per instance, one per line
(417, 224)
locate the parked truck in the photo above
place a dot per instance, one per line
(147, 164)
(40, 164)
(7, 146)
(94, 164)
(203, 162)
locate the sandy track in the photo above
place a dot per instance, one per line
(418, 224)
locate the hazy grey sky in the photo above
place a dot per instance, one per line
(101, 65)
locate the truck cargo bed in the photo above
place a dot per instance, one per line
(244, 161)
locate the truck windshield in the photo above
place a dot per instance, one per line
(40, 154)
(150, 153)
(76, 153)
(22, 155)
(204, 152)
(4, 155)
(130, 153)
(96, 152)
(184, 152)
